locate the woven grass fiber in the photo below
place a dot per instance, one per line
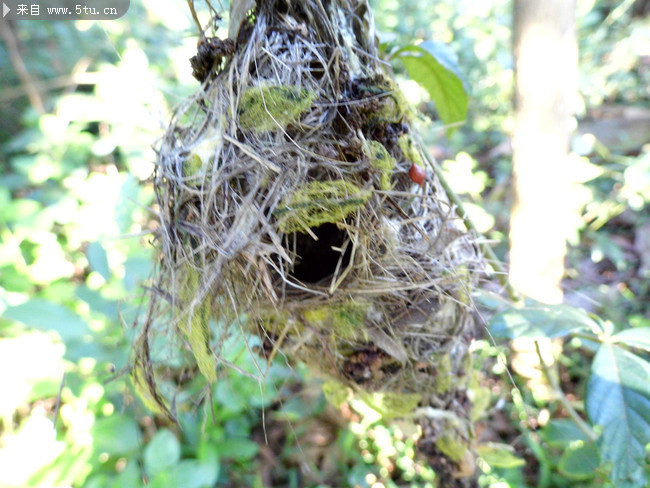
(290, 206)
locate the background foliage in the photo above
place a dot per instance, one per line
(74, 223)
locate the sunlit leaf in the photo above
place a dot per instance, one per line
(499, 455)
(97, 302)
(618, 399)
(13, 280)
(46, 316)
(98, 260)
(433, 66)
(137, 268)
(541, 321)
(638, 337)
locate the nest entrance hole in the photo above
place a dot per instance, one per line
(318, 259)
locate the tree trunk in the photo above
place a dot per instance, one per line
(546, 79)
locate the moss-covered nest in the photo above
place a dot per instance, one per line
(288, 207)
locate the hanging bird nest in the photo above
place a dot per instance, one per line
(296, 202)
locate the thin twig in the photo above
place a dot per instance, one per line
(21, 70)
(561, 397)
(58, 401)
(195, 17)
(67, 81)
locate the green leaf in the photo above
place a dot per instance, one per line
(98, 260)
(237, 448)
(46, 316)
(499, 455)
(162, 452)
(13, 280)
(116, 435)
(638, 337)
(618, 399)
(189, 473)
(208, 455)
(433, 66)
(136, 269)
(491, 300)
(540, 321)
(579, 463)
(96, 481)
(97, 302)
(562, 432)
(130, 476)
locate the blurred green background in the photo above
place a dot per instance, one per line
(83, 104)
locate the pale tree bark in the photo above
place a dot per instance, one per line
(546, 79)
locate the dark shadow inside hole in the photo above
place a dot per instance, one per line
(316, 260)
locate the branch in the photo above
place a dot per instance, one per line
(21, 70)
(91, 78)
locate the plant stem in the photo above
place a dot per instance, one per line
(561, 397)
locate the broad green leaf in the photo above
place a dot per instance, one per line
(23, 211)
(97, 481)
(13, 280)
(131, 476)
(638, 337)
(136, 269)
(162, 452)
(98, 260)
(432, 66)
(491, 300)
(208, 455)
(562, 432)
(499, 455)
(540, 321)
(579, 463)
(237, 448)
(46, 316)
(189, 473)
(97, 302)
(618, 399)
(116, 435)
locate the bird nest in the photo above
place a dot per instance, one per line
(295, 200)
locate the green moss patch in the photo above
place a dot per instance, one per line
(319, 203)
(391, 405)
(394, 105)
(380, 159)
(192, 166)
(335, 393)
(196, 327)
(267, 107)
(409, 150)
(344, 320)
(444, 374)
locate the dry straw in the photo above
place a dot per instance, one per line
(286, 208)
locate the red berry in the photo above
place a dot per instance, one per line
(417, 174)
